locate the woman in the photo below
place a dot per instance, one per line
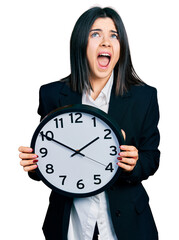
(102, 75)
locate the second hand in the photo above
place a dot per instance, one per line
(94, 160)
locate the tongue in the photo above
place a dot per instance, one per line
(103, 61)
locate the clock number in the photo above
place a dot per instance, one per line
(94, 121)
(80, 185)
(114, 150)
(107, 134)
(77, 120)
(63, 180)
(97, 179)
(49, 168)
(49, 135)
(57, 121)
(80, 116)
(109, 167)
(44, 152)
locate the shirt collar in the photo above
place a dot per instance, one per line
(104, 94)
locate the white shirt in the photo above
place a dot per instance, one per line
(85, 212)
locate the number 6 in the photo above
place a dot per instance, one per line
(80, 185)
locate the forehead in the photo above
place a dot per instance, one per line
(104, 23)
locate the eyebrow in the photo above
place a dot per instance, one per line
(100, 30)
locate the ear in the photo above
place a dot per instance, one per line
(123, 134)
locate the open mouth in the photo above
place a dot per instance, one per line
(104, 59)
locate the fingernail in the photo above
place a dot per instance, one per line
(119, 158)
(35, 161)
(122, 147)
(121, 154)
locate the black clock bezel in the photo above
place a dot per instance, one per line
(84, 109)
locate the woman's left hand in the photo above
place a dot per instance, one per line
(128, 157)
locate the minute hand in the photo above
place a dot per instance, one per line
(78, 151)
(62, 144)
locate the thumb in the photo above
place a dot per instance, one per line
(123, 134)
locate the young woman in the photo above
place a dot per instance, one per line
(102, 75)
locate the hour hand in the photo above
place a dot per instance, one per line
(78, 151)
(62, 144)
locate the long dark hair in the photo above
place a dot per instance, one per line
(124, 73)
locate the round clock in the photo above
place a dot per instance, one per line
(77, 148)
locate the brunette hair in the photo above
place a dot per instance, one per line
(124, 73)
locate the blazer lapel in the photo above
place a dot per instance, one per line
(118, 106)
(69, 97)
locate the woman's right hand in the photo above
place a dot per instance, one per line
(28, 159)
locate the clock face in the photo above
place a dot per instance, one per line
(78, 148)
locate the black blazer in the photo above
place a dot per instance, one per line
(137, 114)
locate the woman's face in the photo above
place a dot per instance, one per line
(103, 48)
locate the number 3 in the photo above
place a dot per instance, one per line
(114, 150)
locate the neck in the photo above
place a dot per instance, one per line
(97, 86)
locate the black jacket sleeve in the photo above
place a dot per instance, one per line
(149, 154)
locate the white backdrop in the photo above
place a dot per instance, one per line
(34, 50)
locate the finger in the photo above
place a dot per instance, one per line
(129, 154)
(25, 163)
(128, 148)
(26, 156)
(25, 149)
(126, 167)
(129, 161)
(30, 168)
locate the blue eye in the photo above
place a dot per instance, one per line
(95, 34)
(114, 36)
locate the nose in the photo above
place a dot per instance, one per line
(105, 42)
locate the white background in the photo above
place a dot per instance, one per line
(34, 50)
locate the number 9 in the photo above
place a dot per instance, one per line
(44, 152)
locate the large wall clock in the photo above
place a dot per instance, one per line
(78, 147)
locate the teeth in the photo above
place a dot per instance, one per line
(105, 55)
